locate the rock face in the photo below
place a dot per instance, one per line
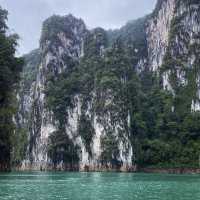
(173, 45)
(59, 49)
(170, 46)
(55, 48)
(158, 30)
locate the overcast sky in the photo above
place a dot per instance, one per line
(26, 16)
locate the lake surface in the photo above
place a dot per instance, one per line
(98, 186)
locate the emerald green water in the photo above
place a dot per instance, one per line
(98, 186)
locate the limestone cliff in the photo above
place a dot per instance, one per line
(93, 122)
(60, 49)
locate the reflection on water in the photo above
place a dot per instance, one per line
(98, 186)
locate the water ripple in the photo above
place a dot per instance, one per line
(98, 186)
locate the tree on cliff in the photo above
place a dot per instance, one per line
(10, 68)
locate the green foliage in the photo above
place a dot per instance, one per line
(78, 80)
(10, 66)
(94, 42)
(62, 149)
(133, 35)
(86, 131)
(3, 18)
(31, 63)
(169, 139)
(162, 136)
(19, 143)
(60, 95)
(110, 149)
(56, 24)
(169, 154)
(162, 129)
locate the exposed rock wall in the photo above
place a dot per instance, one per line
(171, 48)
(158, 29)
(173, 45)
(58, 54)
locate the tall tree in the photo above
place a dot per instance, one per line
(10, 68)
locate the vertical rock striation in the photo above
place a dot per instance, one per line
(62, 47)
(168, 44)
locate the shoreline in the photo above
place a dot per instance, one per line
(183, 170)
(178, 170)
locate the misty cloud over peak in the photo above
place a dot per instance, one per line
(26, 16)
